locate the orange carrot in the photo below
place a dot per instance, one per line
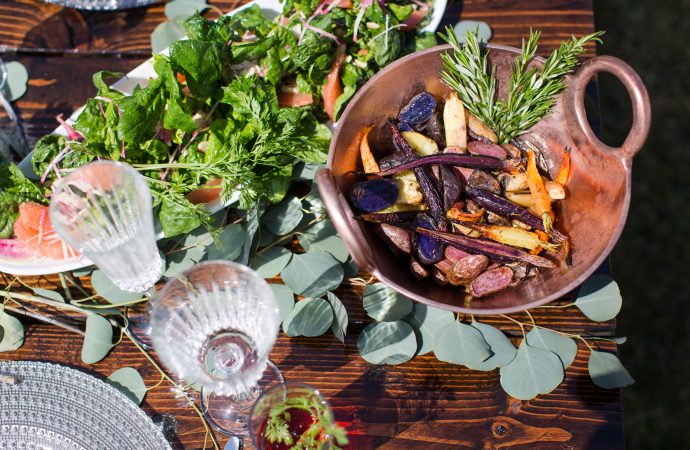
(541, 202)
(180, 77)
(369, 163)
(542, 236)
(564, 170)
(333, 88)
(459, 214)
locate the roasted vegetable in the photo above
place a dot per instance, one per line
(491, 281)
(423, 145)
(541, 202)
(479, 131)
(487, 149)
(516, 237)
(467, 269)
(451, 186)
(491, 249)
(455, 123)
(513, 182)
(482, 180)
(397, 238)
(369, 163)
(564, 171)
(430, 191)
(453, 159)
(374, 195)
(418, 110)
(418, 270)
(429, 249)
(410, 191)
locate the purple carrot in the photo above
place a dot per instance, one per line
(394, 218)
(432, 196)
(486, 247)
(453, 159)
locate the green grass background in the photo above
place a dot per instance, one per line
(651, 261)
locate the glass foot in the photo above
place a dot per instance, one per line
(230, 414)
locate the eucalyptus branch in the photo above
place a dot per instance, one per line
(45, 319)
(45, 301)
(63, 282)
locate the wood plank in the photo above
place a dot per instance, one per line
(421, 404)
(30, 26)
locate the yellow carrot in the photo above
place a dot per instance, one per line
(369, 163)
(516, 237)
(541, 202)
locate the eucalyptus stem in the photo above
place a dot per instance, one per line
(45, 319)
(520, 324)
(63, 282)
(45, 301)
(189, 399)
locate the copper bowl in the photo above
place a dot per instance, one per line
(598, 192)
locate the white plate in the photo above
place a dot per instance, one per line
(139, 76)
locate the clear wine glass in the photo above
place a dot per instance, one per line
(214, 326)
(297, 412)
(103, 210)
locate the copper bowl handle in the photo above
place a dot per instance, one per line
(340, 213)
(641, 107)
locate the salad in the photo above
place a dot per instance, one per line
(232, 109)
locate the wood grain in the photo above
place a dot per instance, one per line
(421, 404)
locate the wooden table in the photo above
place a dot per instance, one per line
(421, 404)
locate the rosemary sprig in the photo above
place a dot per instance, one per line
(532, 93)
(467, 71)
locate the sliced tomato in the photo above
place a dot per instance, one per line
(333, 88)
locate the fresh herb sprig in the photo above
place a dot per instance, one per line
(532, 93)
(277, 429)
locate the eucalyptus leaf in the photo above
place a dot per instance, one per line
(459, 343)
(180, 9)
(323, 236)
(426, 321)
(607, 371)
(268, 263)
(599, 298)
(503, 351)
(50, 295)
(312, 274)
(284, 217)
(16, 82)
(285, 298)
(310, 317)
(387, 343)
(482, 29)
(534, 371)
(11, 332)
(620, 340)
(98, 339)
(165, 34)
(106, 289)
(563, 346)
(128, 381)
(230, 243)
(251, 226)
(265, 237)
(339, 325)
(384, 304)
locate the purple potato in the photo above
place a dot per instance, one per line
(429, 249)
(454, 254)
(491, 281)
(374, 195)
(418, 110)
(434, 127)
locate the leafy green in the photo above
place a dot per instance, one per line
(15, 189)
(206, 65)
